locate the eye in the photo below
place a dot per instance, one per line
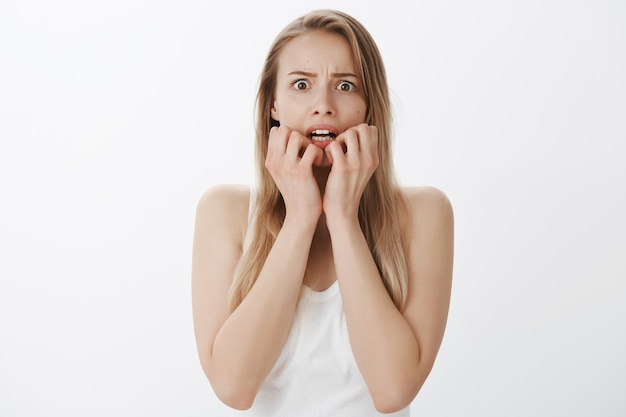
(300, 84)
(346, 86)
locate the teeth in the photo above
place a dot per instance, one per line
(321, 132)
(322, 135)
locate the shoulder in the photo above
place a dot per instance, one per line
(224, 207)
(225, 196)
(426, 202)
(425, 195)
(427, 209)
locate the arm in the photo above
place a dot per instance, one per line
(238, 350)
(396, 351)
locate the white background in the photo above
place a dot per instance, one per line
(115, 116)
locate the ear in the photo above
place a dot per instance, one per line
(274, 112)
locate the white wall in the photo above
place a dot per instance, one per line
(115, 116)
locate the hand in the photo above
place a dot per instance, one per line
(290, 158)
(354, 158)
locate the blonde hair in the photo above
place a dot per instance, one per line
(380, 206)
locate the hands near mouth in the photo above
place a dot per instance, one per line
(290, 158)
(353, 156)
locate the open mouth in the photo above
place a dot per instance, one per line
(322, 135)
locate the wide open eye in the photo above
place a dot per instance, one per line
(346, 86)
(300, 84)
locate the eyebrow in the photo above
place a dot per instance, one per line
(334, 74)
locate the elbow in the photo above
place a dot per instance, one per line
(230, 390)
(234, 395)
(396, 397)
(391, 402)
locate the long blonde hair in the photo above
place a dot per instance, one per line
(381, 203)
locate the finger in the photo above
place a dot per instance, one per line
(312, 155)
(368, 140)
(296, 144)
(341, 140)
(278, 139)
(334, 152)
(353, 147)
(277, 144)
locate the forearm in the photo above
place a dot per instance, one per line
(384, 345)
(251, 339)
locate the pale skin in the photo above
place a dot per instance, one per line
(320, 242)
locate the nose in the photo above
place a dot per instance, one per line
(323, 102)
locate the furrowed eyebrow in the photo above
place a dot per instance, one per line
(334, 75)
(302, 73)
(344, 75)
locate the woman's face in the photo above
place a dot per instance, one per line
(318, 92)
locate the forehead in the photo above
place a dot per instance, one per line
(315, 51)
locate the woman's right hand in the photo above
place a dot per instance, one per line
(290, 158)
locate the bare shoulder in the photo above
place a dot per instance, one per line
(429, 208)
(225, 208)
(425, 195)
(225, 196)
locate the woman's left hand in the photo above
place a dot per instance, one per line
(354, 158)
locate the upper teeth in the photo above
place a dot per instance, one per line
(321, 132)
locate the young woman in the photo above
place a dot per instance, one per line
(324, 290)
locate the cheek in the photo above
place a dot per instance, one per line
(362, 109)
(361, 113)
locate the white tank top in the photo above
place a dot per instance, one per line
(316, 374)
